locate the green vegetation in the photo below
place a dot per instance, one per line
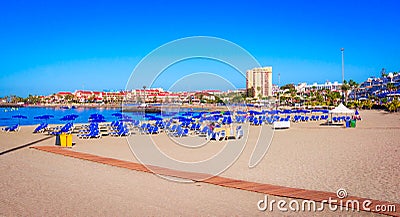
(250, 92)
(393, 106)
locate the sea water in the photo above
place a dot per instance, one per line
(6, 114)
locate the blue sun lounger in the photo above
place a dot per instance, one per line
(121, 131)
(152, 130)
(39, 129)
(13, 128)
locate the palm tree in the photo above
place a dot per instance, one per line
(68, 98)
(293, 94)
(393, 106)
(353, 87)
(326, 94)
(319, 97)
(312, 92)
(369, 104)
(332, 97)
(250, 92)
(259, 90)
(345, 87)
(383, 73)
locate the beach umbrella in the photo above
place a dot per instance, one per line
(167, 114)
(197, 115)
(157, 119)
(151, 118)
(40, 117)
(148, 116)
(124, 117)
(66, 119)
(357, 113)
(117, 114)
(69, 117)
(72, 116)
(96, 118)
(184, 119)
(270, 112)
(252, 112)
(228, 113)
(44, 117)
(19, 117)
(96, 115)
(304, 111)
(241, 113)
(187, 114)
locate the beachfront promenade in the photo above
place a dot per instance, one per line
(363, 160)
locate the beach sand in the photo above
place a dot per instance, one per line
(364, 161)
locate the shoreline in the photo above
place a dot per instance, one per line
(206, 107)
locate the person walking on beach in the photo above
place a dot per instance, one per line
(212, 126)
(357, 115)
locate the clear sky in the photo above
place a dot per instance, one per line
(48, 46)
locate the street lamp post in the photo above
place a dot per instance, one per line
(342, 49)
(144, 93)
(279, 90)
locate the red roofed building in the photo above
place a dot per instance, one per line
(83, 95)
(61, 96)
(63, 93)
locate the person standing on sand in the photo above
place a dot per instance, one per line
(212, 126)
(357, 115)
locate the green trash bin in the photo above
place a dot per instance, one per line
(353, 123)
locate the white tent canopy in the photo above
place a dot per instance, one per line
(341, 109)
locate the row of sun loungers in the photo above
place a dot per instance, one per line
(92, 131)
(120, 129)
(341, 119)
(300, 118)
(13, 128)
(67, 128)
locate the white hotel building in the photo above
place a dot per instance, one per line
(261, 80)
(305, 88)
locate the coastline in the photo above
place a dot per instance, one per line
(150, 109)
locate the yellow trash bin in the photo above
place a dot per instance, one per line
(66, 140)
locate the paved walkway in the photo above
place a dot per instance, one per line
(268, 189)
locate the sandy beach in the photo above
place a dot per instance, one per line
(363, 160)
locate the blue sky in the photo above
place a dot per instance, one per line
(48, 46)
